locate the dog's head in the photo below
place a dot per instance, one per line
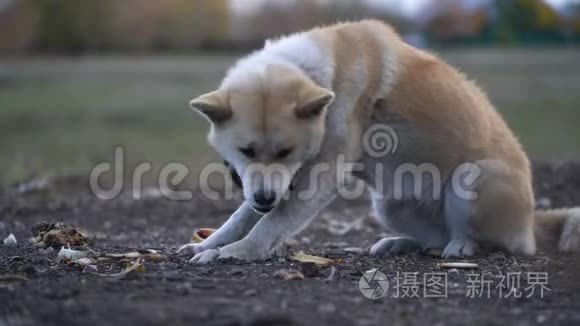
(266, 123)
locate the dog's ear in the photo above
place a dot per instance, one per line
(313, 102)
(213, 106)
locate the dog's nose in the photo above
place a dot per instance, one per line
(264, 199)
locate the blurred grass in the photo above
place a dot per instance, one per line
(63, 115)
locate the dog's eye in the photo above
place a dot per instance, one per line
(283, 153)
(248, 152)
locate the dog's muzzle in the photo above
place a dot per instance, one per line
(238, 181)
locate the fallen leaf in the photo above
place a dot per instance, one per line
(305, 258)
(84, 261)
(137, 266)
(354, 250)
(149, 254)
(128, 255)
(458, 265)
(201, 234)
(289, 274)
(57, 235)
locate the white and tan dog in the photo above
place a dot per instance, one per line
(296, 106)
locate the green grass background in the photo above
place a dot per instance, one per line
(64, 115)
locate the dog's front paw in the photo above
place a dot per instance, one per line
(205, 257)
(192, 248)
(395, 246)
(242, 250)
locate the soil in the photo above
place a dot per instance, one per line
(36, 289)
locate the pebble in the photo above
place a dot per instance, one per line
(541, 319)
(237, 272)
(544, 203)
(289, 274)
(10, 240)
(355, 250)
(326, 308)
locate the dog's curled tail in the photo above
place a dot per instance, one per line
(558, 229)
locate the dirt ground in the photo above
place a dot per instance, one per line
(37, 289)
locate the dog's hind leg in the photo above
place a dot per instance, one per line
(488, 203)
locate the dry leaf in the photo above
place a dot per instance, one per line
(151, 254)
(128, 255)
(305, 258)
(201, 234)
(458, 265)
(85, 261)
(289, 274)
(136, 266)
(57, 235)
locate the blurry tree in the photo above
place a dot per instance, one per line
(525, 20)
(18, 26)
(277, 18)
(72, 26)
(450, 21)
(168, 25)
(78, 26)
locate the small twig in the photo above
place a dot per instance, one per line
(458, 265)
(330, 277)
(13, 277)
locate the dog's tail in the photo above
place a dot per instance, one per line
(558, 230)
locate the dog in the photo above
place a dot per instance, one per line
(458, 181)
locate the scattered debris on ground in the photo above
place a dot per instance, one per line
(37, 288)
(289, 275)
(305, 258)
(134, 267)
(57, 235)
